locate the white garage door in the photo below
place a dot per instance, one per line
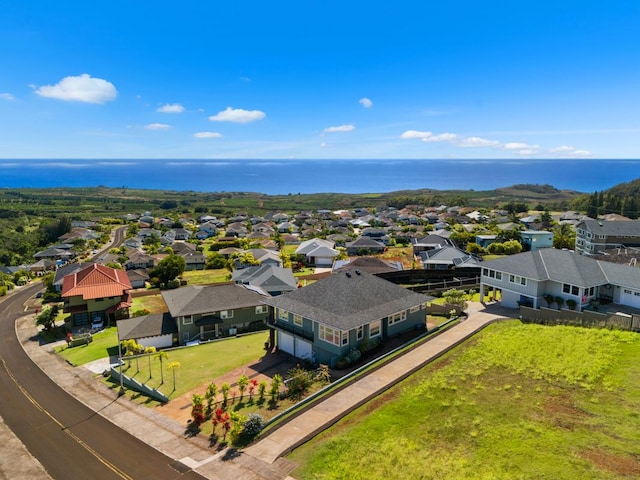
(631, 298)
(303, 349)
(285, 342)
(161, 341)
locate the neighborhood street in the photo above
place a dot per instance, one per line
(69, 439)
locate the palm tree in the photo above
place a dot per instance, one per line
(564, 236)
(173, 366)
(160, 356)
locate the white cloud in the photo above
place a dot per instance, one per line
(411, 134)
(237, 115)
(83, 88)
(157, 126)
(477, 142)
(562, 148)
(366, 102)
(442, 137)
(527, 151)
(245, 79)
(580, 153)
(324, 145)
(7, 96)
(170, 108)
(207, 135)
(340, 128)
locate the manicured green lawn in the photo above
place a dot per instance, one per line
(198, 364)
(516, 402)
(104, 344)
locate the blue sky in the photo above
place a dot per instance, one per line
(344, 80)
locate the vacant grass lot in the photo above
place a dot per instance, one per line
(203, 277)
(517, 402)
(151, 303)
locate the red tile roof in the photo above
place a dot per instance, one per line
(96, 281)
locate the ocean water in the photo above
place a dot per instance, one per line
(316, 176)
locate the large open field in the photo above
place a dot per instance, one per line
(517, 402)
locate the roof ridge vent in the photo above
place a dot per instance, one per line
(358, 272)
(348, 274)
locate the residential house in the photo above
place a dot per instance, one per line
(138, 278)
(485, 240)
(139, 260)
(365, 246)
(330, 318)
(525, 278)
(593, 236)
(56, 252)
(271, 279)
(318, 252)
(373, 265)
(204, 312)
(96, 292)
(430, 242)
(536, 239)
(447, 258)
(157, 330)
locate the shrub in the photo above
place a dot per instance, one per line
(253, 425)
(354, 355)
(300, 380)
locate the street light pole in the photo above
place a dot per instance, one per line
(121, 391)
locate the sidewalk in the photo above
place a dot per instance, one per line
(328, 412)
(263, 460)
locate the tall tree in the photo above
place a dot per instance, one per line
(169, 269)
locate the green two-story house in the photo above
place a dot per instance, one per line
(204, 312)
(332, 317)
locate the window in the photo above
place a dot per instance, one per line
(494, 274)
(261, 309)
(99, 299)
(187, 320)
(566, 288)
(329, 334)
(283, 315)
(360, 333)
(570, 289)
(345, 338)
(297, 320)
(397, 318)
(226, 314)
(517, 279)
(415, 309)
(374, 328)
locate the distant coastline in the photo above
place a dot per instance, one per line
(316, 176)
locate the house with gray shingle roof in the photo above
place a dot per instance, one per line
(203, 312)
(593, 236)
(155, 330)
(273, 280)
(330, 318)
(525, 278)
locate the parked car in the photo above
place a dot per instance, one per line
(97, 324)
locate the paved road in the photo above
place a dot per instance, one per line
(69, 439)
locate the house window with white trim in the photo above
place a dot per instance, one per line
(415, 309)
(397, 318)
(283, 315)
(345, 338)
(360, 332)
(187, 320)
(328, 334)
(297, 320)
(518, 280)
(374, 328)
(224, 314)
(261, 309)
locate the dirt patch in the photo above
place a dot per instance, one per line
(623, 465)
(563, 413)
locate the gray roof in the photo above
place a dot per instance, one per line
(616, 228)
(566, 267)
(146, 326)
(269, 277)
(348, 299)
(199, 299)
(371, 265)
(449, 256)
(365, 242)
